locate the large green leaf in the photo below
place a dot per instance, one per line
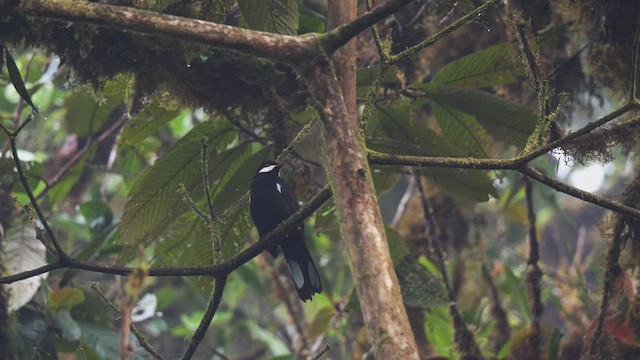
(461, 129)
(321, 321)
(467, 184)
(146, 123)
(489, 67)
(393, 131)
(188, 242)
(237, 179)
(398, 248)
(86, 114)
(180, 237)
(419, 287)
(505, 120)
(276, 16)
(384, 179)
(153, 201)
(106, 343)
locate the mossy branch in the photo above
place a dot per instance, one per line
(283, 48)
(463, 337)
(533, 276)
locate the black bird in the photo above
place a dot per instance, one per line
(272, 202)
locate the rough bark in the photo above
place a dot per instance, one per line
(361, 224)
(344, 59)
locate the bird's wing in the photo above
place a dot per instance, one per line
(289, 196)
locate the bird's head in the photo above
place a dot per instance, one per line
(269, 168)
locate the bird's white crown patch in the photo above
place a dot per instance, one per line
(267, 169)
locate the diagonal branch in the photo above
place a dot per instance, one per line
(212, 307)
(22, 176)
(134, 330)
(222, 269)
(444, 32)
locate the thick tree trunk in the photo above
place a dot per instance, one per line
(360, 220)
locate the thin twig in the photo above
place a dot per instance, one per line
(501, 332)
(384, 56)
(463, 337)
(204, 158)
(579, 194)
(184, 196)
(60, 254)
(533, 275)
(322, 352)
(212, 307)
(304, 132)
(134, 330)
(338, 37)
(214, 221)
(383, 66)
(77, 156)
(442, 33)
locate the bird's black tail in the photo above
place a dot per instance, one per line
(303, 270)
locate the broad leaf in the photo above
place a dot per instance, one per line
(23, 252)
(461, 129)
(153, 200)
(185, 234)
(146, 123)
(321, 321)
(106, 343)
(86, 114)
(419, 287)
(384, 179)
(465, 184)
(276, 16)
(391, 130)
(65, 298)
(489, 67)
(397, 246)
(84, 352)
(67, 326)
(503, 119)
(237, 178)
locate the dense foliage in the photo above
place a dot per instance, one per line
(114, 159)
